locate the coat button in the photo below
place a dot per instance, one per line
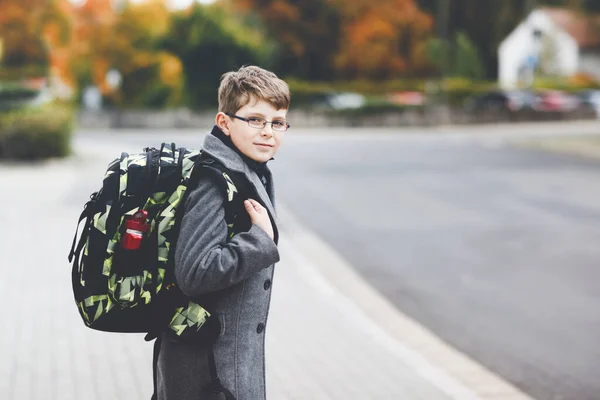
(267, 284)
(260, 328)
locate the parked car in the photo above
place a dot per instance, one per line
(346, 100)
(337, 101)
(590, 98)
(502, 100)
(556, 100)
(406, 98)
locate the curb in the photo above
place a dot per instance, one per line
(453, 372)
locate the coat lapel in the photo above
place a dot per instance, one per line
(231, 160)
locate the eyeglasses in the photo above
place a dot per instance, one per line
(260, 123)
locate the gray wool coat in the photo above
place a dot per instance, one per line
(237, 275)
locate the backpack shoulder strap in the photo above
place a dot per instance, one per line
(232, 185)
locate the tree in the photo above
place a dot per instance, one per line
(127, 39)
(307, 33)
(484, 23)
(327, 39)
(55, 27)
(31, 30)
(467, 63)
(151, 76)
(209, 41)
(93, 38)
(380, 40)
(487, 23)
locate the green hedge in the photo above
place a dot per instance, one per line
(13, 96)
(36, 133)
(373, 109)
(569, 85)
(304, 93)
(22, 72)
(453, 91)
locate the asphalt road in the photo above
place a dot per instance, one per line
(492, 247)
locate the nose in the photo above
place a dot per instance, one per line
(264, 131)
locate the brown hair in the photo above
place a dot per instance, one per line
(237, 88)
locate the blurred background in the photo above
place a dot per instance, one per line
(405, 62)
(448, 151)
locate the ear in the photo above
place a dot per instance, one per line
(222, 121)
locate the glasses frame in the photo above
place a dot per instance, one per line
(265, 122)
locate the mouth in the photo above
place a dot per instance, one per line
(263, 144)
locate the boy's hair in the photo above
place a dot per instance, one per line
(237, 88)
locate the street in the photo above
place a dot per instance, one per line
(494, 248)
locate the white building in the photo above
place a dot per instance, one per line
(552, 41)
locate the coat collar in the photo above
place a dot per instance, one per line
(255, 165)
(232, 160)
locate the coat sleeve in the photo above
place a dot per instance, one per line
(205, 260)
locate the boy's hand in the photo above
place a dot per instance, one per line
(259, 216)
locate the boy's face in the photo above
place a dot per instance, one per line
(259, 144)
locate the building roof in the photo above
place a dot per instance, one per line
(585, 29)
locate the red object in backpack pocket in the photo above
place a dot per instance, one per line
(135, 227)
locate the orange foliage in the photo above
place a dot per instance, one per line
(375, 39)
(93, 34)
(284, 18)
(171, 69)
(380, 39)
(583, 80)
(139, 27)
(36, 32)
(56, 25)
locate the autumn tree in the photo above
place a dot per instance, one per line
(333, 39)
(17, 29)
(381, 39)
(56, 28)
(93, 37)
(35, 34)
(151, 75)
(307, 32)
(211, 40)
(126, 37)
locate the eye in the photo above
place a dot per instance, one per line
(279, 124)
(255, 120)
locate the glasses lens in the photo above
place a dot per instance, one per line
(282, 126)
(256, 122)
(279, 126)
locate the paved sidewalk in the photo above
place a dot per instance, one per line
(330, 336)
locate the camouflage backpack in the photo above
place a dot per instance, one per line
(123, 273)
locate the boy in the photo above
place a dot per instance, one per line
(231, 274)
